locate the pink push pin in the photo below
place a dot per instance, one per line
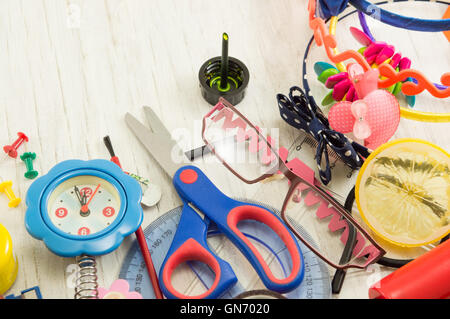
(11, 150)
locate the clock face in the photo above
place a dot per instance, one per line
(83, 205)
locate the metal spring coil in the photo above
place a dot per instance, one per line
(86, 283)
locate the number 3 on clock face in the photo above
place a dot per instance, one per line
(83, 207)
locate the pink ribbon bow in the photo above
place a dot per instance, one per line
(361, 128)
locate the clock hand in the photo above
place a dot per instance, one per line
(77, 192)
(85, 207)
(83, 203)
(84, 200)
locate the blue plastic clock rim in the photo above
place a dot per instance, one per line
(103, 242)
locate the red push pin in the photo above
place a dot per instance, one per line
(11, 150)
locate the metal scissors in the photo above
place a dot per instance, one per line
(200, 195)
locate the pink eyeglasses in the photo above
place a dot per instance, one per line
(245, 151)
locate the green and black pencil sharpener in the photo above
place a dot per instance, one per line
(223, 76)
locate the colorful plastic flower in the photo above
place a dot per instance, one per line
(375, 53)
(120, 289)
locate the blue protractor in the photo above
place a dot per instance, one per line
(159, 235)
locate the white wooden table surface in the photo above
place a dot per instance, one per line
(71, 69)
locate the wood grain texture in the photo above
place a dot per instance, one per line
(70, 70)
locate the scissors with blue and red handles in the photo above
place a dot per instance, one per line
(200, 195)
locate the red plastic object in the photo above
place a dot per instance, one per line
(116, 161)
(149, 263)
(190, 250)
(188, 176)
(248, 212)
(447, 16)
(426, 277)
(11, 150)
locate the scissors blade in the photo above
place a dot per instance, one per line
(158, 127)
(160, 146)
(155, 123)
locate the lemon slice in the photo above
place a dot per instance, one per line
(403, 190)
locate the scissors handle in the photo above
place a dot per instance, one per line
(189, 244)
(193, 186)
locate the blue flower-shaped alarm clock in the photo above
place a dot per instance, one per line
(83, 208)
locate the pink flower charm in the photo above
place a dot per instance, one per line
(380, 52)
(374, 117)
(118, 290)
(342, 87)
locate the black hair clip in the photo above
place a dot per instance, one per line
(304, 114)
